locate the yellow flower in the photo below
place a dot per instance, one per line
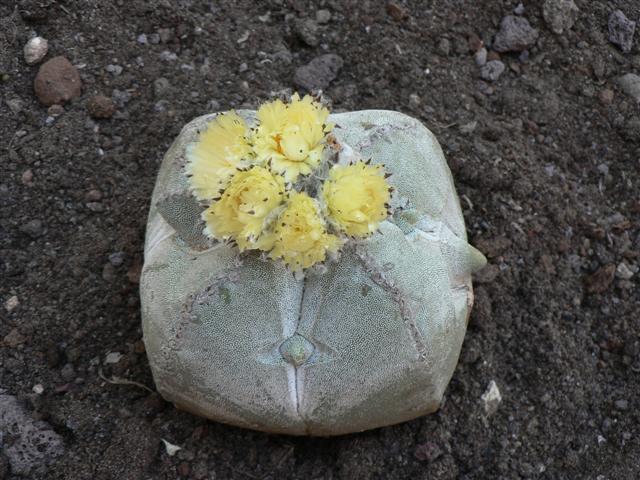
(357, 197)
(300, 238)
(291, 135)
(214, 158)
(244, 208)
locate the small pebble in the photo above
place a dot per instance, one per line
(16, 105)
(161, 106)
(491, 398)
(57, 82)
(11, 304)
(444, 47)
(515, 35)
(95, 207)
(55, 110)
(139, 347)
(606, 96)
(396, 12)
(427, 452)
(623, 271)
(14, 338)
(115, 70)
(474, 42)
(120, 97)
(492, 70)
(100, 106)
(35, 50)
(168, 56)
(170, 448)
(319, 72)
(560, 15)
(38, 389)
(165, 34)
(323, 16)
(491, 55)
(33, 228)
(117, 258)
(27, 177)
(307, 31)
(630, 84)
(414, 100)
(161, 87)
(112, 357)
(621, 30)
(93, 195)
(142, 39)
(481, 57)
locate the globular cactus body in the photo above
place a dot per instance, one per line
(371, 341)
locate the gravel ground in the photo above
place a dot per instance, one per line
(537, 108)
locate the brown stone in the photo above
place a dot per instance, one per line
(57, 82)
(14, 338)
(600, 281)
(492, 56)
(475, 42)
(606, 96)
(134, 272)
(396, 11)
(55, 110)
(100, 106)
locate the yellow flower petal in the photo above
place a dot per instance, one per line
(215, 157)
(244, 209)
(290, 137)
(300, 238)
(356, 198)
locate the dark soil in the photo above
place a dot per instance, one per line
(546, 166)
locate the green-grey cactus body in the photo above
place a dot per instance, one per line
(371, 341)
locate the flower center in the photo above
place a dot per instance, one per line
(278, 138)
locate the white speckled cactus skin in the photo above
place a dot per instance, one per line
(372, 342)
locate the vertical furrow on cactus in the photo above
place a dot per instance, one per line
(406, 305)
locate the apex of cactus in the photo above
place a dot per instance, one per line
(272, 187)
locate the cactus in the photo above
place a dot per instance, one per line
(372, 340)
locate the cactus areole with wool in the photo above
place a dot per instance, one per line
(305, 273)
